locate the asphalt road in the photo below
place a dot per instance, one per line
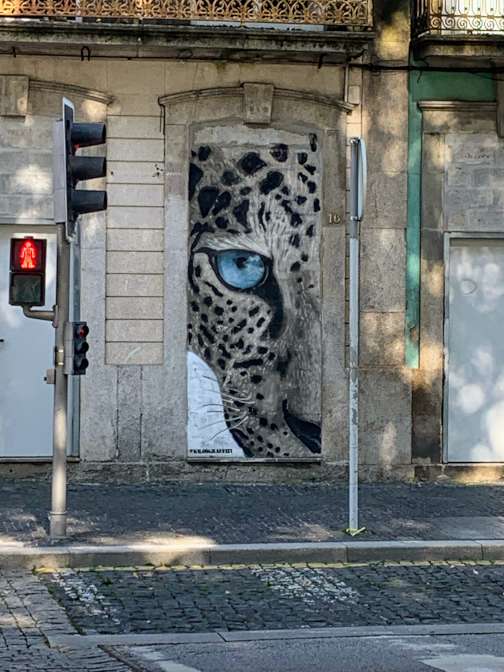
(465, 653)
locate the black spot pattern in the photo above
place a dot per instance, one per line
(204, 153)
(229, 178)
(241, 212)
(280, 153)
(195, 175)
(206, 199)
(272, 181)
(252, 163)
(222, 202)
(295, 240)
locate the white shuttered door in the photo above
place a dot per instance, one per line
(25, 354)
(475, 351)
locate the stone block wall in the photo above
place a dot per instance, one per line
(385, 429)
(134, 258)
(26, 158)
(135, 240)
(462, 194)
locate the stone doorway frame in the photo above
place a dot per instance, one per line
(267, 106)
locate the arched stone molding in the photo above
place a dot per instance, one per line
(165, 399)
(71, 90)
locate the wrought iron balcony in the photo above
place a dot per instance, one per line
(344, 14)
(458, 17)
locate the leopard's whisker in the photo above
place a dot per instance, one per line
(229, 428)
(241, 400)
(210, 405)
(225, 396)
(228, 397)
(218, 408)
(218, 422)
(210, 379)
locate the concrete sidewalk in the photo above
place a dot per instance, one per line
(246, 523)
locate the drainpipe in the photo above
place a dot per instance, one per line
(358, 180)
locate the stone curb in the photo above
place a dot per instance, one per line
(218, 637)
(74, 556)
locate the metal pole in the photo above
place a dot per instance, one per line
(353, 378)
(353, 385)
(58, 515)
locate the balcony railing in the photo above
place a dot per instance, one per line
(352, 14)
(468, 17)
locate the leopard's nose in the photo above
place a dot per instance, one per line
(307, 432)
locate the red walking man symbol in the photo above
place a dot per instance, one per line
(28, 255)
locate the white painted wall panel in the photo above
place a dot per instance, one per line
(475, 366)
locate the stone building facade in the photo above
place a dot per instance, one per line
(215, 285)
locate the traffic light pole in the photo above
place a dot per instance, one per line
(27, 281)
(58, 515)
(69, 203)
(47, 315)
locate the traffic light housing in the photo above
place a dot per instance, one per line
(70, 169)
(27, 271)
(76, 348)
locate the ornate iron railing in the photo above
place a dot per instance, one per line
(470, 17)
(344, 13)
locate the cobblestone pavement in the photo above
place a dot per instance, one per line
(35, 607)
(278, 596)
(28, 615)
(252, 513)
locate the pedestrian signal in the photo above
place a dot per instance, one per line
(27, 271)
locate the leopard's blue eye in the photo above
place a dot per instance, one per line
(240, 269)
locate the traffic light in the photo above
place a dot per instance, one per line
(70, 169)
(76, 347)
(27, 271)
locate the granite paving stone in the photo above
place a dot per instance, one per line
(28, 614)
(184, 599)
(234, 513)
(65, 660)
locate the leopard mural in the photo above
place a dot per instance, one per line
(254, 331)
